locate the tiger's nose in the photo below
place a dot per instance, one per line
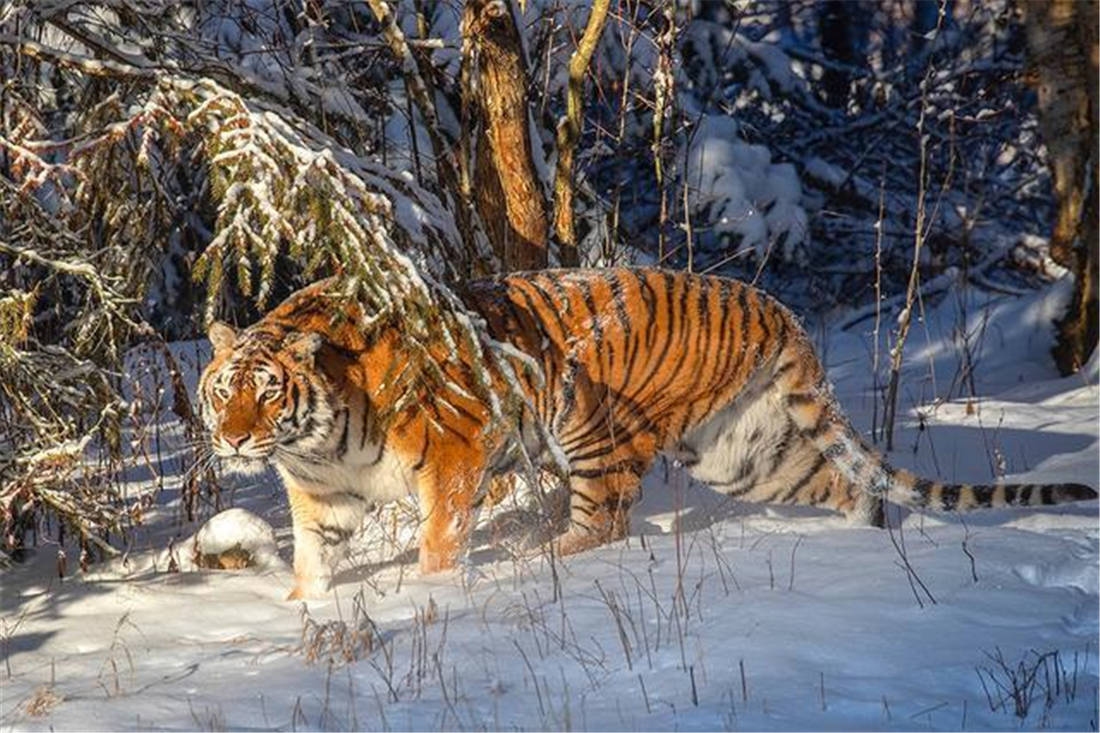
(236, 440)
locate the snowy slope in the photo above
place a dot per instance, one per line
(711, 615)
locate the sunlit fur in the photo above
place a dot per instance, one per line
(709, 371)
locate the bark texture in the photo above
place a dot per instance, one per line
(503, 182)
(1062, 42)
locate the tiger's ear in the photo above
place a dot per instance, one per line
(222, 336)
(303, 346)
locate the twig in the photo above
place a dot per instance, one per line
(920, 234)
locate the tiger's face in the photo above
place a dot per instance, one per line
(261, 395)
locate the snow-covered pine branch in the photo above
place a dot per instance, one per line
(271, 187)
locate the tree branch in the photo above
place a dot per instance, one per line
(569, 133)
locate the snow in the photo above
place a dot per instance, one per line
(234, 529)
(824, 171)
(735, 187)
(712, 614)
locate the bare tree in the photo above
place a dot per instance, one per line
(505, 187)
(1062, 42)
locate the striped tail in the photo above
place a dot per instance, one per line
(868, 470)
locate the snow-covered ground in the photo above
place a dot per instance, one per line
(712, 615)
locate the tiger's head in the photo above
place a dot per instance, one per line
(262, 395)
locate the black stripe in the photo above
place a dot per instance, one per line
(747, 489)
(342, 448)
(618, 299)
(554, 307)
(569, 391)
(743, 326)
(703, 351)
(538, 325)
(311, 399)
(582, 495)
(801, 483)
(784, 368)
(784, 446)
(348, 495)
(423, 459)
(725, 332)
(366, 423)
(761, 307)
(820, 426)
(564, 302)
(295, 394)
(746, 469)
(630, 420)
(631, 466)
(381, 451)
(631, 359)
(597, 338)
(650, 299)
(331, 534)
(951, 497)
(781, 330)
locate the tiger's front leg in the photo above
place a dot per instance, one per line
(322, 523)
(446, 495)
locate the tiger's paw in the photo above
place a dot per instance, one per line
(578, 540)
(313, 589)
(435, 562)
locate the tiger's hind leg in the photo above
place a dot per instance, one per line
(610, 446)
(599, 507)
(841, 476)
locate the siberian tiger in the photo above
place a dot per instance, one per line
(709, 371)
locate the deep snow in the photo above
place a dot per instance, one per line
(711, 615)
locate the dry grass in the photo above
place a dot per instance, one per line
(42, 702)
(337, 641)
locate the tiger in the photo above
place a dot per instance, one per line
(710, 372)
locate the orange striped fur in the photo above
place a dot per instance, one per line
(637, 363)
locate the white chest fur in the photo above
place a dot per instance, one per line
(375, 474)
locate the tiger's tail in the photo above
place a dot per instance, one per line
(800, 379)
(842, 445)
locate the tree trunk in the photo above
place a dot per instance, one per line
(843, 29)
(1062, 42)
(503, 182)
